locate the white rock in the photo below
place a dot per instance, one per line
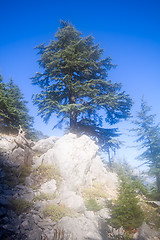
(104, 213)
(81, 228)
(44, 145)
(48, 187)
(72, 200)
(79, 164)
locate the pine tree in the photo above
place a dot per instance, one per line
(126, 211)
(13, 110)
(149, 136)
(3, 101)
(74, 86)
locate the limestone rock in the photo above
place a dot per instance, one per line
(104, 213)
(44, 145)
(79, 164)
(146, 233)
(81, 228)
(72, 200)
(48, 187)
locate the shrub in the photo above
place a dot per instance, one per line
(92, 205)
(21, 205)
(126, 211)
(22, 172)
(44, 196)
(46, 172)
(97, 191)
(151, 215)
(56, 212)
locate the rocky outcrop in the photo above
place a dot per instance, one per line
(43, 145)
(79, 163)
(43, 205)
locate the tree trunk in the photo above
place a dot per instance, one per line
(73, 116)
(158, 182)
(73, 122)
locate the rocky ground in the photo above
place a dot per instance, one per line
(65, 194)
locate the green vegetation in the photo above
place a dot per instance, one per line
(151, 215)
(92, 195)
(126, 211)
(92, 205)
(22, 172)
(148, 134)
(97, 191)
(46, 172)
(74, 86)
(15, 176)
(20, 205)
(13, 110)
(44, 196)
(56, 212)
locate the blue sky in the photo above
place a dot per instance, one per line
(128, 31)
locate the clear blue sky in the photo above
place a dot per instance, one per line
(129, 32)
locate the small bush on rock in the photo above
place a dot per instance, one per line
(56, 212)
(97, 191)
(22, 172)
(92, 205)
(44, 196)
(45, 173)
(21, 205)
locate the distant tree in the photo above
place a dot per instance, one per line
(3, 102)
(148, 133)
(13, 109)
(74, 86)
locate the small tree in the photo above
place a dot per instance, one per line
(74, 86)
(149, 136)
(126, 211)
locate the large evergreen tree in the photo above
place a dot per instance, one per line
(74, 86)
(148, 133)
(13, 109)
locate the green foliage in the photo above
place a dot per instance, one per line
(126, 211)
(13, 110)
(97, 191)
(92, 205)
(124, 169)
(22, 172)
(21, 205)
(75, 88)
(46, 172)
(15, 176)
(151, 215)
(148, 134)
(56, 212)
(44, 197)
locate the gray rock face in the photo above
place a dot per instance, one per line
(81, 228)
(79, 163)
(43, 145)
(72, 200)
(146, 233)
(81, 168)
(48, 187)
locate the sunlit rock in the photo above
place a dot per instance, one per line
(72, 200)
(44, 145)
(79, 163)
(48, 187)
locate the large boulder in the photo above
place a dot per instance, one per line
(81, 228)
(43, 145)
(72, 200)
(145, 232)
(79, 163)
